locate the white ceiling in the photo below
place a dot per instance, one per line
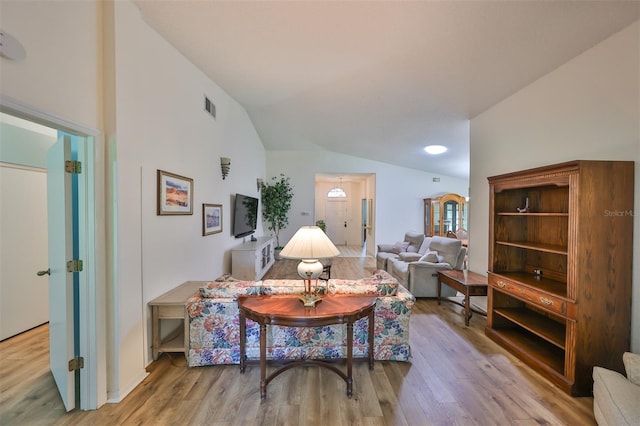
(380, 79)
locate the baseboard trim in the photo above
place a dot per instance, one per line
(116, 397)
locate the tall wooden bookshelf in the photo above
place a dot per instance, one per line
(560, 270)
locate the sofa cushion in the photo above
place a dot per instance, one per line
(399, 247)
(632, 367)
(409, 256)
(448, 248)
(424, 247)
(231, 289)
(381, 283)
(414, 239)
(432, 256)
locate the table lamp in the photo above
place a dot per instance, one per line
(309, 244)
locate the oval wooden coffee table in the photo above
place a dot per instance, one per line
(289, 311)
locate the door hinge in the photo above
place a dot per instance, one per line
(76, 363)
(74, 167)
(74, 265)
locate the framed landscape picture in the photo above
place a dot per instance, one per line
(175, 194)
(211, 219)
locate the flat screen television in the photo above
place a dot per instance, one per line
(245, 215)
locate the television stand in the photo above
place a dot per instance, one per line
(251, 260)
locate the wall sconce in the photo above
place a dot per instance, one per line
(225, 164)
(259, 183)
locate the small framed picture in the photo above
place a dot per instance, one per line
(175, 194)
(211, 219)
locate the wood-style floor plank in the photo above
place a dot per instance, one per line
(457, 376)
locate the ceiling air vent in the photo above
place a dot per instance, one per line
(209, 107)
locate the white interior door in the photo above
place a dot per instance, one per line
(61, 308)
(336, 212)
(23, 249)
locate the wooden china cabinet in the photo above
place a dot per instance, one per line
(444, 213)
(560, 259)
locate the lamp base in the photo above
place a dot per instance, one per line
(310, 300)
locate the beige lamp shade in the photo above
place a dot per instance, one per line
(309, 242)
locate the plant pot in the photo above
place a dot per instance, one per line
(276, 253)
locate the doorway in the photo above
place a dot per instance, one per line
(345, 203)
(91, 329)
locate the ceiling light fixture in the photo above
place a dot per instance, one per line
(435, 149)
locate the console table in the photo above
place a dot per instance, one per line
(172, 305)
(289, 311)
(466, 282)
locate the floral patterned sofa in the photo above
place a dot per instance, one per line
(215, 333)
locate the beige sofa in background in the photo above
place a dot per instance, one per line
(419, 271)
(411, 244)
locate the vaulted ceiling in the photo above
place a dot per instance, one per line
(380, 79)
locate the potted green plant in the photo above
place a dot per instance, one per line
(276, 203)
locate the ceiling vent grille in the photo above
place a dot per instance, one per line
(209, 106)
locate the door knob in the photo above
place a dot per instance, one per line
(47, 272)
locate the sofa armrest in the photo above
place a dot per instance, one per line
(385, 247)
(425, 274)
(615, 399)
(423, 267)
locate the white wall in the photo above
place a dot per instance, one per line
(160, 123)
(152, 102)
(399, 190)
(60, 79)
(60, 74)
(587, 109)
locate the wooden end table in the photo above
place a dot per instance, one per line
(466, 282)
(171, 305)
(289, 311)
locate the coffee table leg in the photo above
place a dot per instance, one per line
(243, 334)
(439, 288)
(263, 361)
(349, 358)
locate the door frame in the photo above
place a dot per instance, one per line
(368, 181)
(92, 315)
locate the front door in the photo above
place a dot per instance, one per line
(336, 217)
(61, 291)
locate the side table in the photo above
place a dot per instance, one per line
(466, 282)
(289, 311)
(172, 305)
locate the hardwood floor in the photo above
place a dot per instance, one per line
(456, 376)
